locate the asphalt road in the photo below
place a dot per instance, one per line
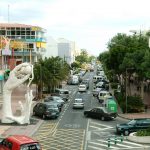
(73, 131)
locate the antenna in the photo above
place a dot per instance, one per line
(8, 13)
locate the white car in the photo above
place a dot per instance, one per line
(78, 103)
(82, 88)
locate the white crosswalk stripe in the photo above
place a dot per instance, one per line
(103, 144)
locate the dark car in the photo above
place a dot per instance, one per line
(100, 113)
(133, 126)
(46, 110)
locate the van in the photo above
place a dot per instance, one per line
(103, 95)
(63, 93)
(75, 79)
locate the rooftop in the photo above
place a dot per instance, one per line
(16, 25)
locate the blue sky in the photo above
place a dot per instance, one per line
(90, 23)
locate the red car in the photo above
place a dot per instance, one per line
(19, 142)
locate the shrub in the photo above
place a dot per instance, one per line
(144, 132)
(114, 85)
(134, 103)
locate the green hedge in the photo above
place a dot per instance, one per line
(144, 132)
(134, 103)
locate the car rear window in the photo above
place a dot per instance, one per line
(79, 101)
(34, 146)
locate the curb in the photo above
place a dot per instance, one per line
(119, 115)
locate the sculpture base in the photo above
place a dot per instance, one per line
(33, 121)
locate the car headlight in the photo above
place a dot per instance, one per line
(119, 129)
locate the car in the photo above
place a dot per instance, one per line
(63, 93)
(46, 110)
(102, 95)
(86, 82)
(100, 113)
(55, 99)
(78, 103)
(133, 126)
(96, 91)
(19, 142)
(82, 88)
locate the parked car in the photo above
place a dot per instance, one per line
(78, 103)
(82, 88)
(133, 126)
(19, 142)
(55, 99)
(46, 110)
(100, 113)
(63, 93)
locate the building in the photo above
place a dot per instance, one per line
(27, 43)
(51, 48)
(67, 50)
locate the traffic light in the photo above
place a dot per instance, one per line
(6, 74)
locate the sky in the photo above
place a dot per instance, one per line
(90, 23)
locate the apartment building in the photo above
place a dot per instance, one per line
(27, 44)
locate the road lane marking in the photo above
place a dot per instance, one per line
(98, 128)
(100, 124)
(100, 144)
(86, 137)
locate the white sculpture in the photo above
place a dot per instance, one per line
(18, 76)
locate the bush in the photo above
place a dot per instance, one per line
(114, 85)
(134, 103)
(144, 132)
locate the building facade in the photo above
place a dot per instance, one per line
(27, 43)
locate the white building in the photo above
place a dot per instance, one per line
(66, 50)
(51, 48)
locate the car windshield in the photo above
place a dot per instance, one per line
(132, 122)
(34, 146)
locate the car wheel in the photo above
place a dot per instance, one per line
(126, 132)
(102, 118)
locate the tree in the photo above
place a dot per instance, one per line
(49, 73)
(83, 57)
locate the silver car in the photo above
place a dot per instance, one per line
(78, 103)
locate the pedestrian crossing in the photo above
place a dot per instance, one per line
(102, 137)
(97, 126)
(102, 144)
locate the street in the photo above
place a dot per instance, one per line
(73, 131)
